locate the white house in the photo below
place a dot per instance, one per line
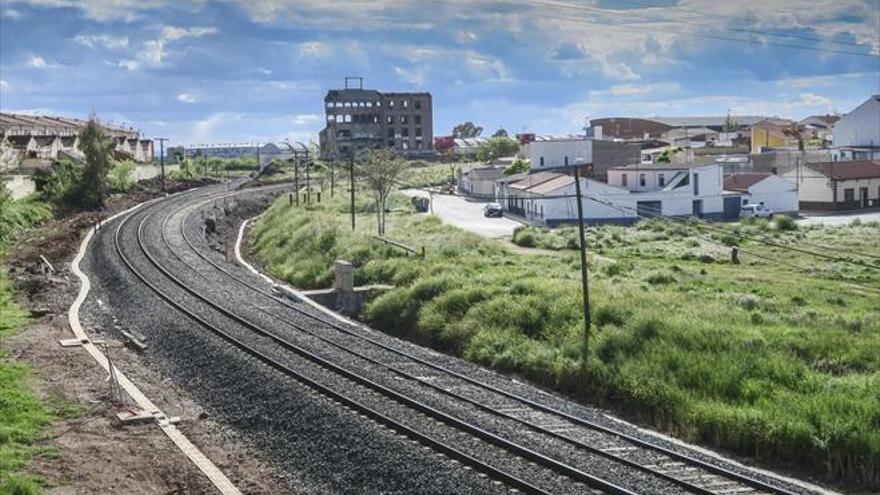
(593, 157)
(857, 134)
(631, 192)
(842, 185)
(480, 182)
(772, 191)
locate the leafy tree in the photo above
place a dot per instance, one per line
(60, 183)
(497, 147)
(500, 133)
(730, 124)
(519, 166)
(667, 154)
(381, 170)
(98, 150)
(466, 130)
(8, 156)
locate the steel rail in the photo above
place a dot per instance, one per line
(474, 430)
(428, 441)
(717, 470)
(425, 382)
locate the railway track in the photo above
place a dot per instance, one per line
(558, 441)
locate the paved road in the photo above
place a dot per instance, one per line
(839, 219)
(468, 215)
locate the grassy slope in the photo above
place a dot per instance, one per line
(755, 357)
(22, 416)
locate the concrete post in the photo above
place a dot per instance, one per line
(344, 281)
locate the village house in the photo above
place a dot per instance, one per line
(769, 190)
(630, 193)
(591, 156)
(842, 185)
(480, 182)
(857, 134)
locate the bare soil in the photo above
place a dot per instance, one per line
(87, 451)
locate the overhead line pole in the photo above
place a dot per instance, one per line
(162, 159)
(351, 174)
(585, 290)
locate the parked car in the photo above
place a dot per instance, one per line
(493, 210)
(759, 211)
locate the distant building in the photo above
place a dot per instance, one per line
(358, 119)
(592, 157)
(769, 190)
(630, 193)
(857, 134)
(842, 185)
(220, 150)
(775, 134)
(42, 137)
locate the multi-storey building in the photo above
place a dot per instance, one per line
(358, 119)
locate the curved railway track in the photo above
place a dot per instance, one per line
(557, 441)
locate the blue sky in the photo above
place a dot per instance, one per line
(257, 70)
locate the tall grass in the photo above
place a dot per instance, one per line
(756, 358)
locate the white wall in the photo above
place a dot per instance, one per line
(860, 127)
(578, 151)
(776, 193)
(148, 171)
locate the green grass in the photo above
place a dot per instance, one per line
(23, 418)
(758, 358)
(432, 174)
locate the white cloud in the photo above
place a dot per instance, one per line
(637, 89)
(153, 53)
(103, 40)
(186, 98)
(306, 119)
(812, 99)
(10, 13)
(484, 65)
(312, 49)
(466, 37)
(4, 84)
(264, 71)
(413, 76)
(36, 62)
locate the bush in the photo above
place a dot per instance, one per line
(60, 182)
(524, 236)
(783, 223)
(658, 277)
(121, 176)
(610, 315)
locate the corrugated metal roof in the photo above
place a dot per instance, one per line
(552, 185)
(534, 179)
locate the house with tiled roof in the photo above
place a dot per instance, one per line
(841, 185)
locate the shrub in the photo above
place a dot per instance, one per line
(59, 183)
(121, 176)
(783, 223)
(658, 277)
(524, 236)
(610, 315)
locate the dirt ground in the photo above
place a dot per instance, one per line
(88, 452)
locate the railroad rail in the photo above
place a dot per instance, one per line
(686, 472)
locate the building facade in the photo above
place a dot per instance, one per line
(592, 157)
(769, 190)
(358, 119)
(43, 137)
(843, 185)
(857, 134)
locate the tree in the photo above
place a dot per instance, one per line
(466, 130)
(98, 150)
(496, 148)
(451, 160)
(500, 133)
(8, 156)
(380, 169)
(519, 166)
(730, 124)
(667, 154)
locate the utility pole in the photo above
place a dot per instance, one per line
(351, 174)
(332, 177)
(162, 158)
(308, 183)
(584, 280)
(296, 177)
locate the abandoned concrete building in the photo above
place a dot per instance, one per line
(358, 119)
(42, 137)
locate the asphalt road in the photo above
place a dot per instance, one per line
(839, 219)
(468, 215)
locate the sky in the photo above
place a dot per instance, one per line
(208, 71)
